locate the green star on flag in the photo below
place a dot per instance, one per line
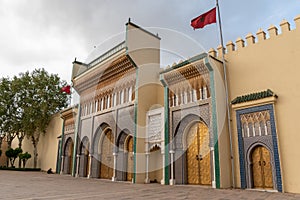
(204, 19)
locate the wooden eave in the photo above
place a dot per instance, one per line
(104, 74)
(186, 72)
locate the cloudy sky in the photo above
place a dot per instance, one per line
(51, 33)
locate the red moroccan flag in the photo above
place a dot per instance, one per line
(204, 19)
(66, 89)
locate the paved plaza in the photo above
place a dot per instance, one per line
(39, 185)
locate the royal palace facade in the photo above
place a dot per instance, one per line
(140, 123)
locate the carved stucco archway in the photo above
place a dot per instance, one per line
(179, 144)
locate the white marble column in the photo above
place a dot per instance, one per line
(147, 180)
(213, 181)
(204, 92)
(77, 165)
(108, 101)
(181, 98)
(90, 165)
(259, 131)
(126, 99)
(114, 178)
(194, 95)
(96, 105)
(266, 129)
(185, 99)
(172, 180)
(200, 93)
(62, 165)
(248, 131)
(130, 94)
(162, 181)
(191, 95)
(173, 100)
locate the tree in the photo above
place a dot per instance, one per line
(12, 154)
(24, 157)
(9, 110)
(40, 96)
(19, 93)
(10, 115)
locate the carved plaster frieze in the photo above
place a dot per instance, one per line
(104, 74)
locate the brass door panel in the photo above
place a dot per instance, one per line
(262, 168)
(204, 155)
(70, 150)
(256, 168)
(193, 168)
(198, 155)
(267, 168)
(106, 170)
(130, 159)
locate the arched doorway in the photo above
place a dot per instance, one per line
(261, 168)
(84, 164)
(106, 166)
(155, 164)
(198, 155)
(129, 149)
(68, 153)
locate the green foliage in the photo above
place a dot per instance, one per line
(41, 97)
(27, 104)
(10, 117)
(12, 154)
(24, 157)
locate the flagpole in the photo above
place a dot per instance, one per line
(227, 96)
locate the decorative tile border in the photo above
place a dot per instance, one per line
(270, 108)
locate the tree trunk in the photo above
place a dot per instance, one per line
(20, 146)
(9, 143)
(35, 141)
(8, 147)
(20, 162)
(35, 156)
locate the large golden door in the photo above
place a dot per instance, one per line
(198, 155)
(129, 174)
(70, 156)
(106, 168)
(262, 168)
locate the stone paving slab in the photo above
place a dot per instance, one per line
(42, 186)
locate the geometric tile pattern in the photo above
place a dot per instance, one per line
(256, 126)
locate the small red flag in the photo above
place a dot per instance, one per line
(66, 89)
(204, 19)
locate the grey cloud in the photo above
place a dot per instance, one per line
(55, 31)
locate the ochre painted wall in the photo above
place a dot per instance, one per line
(271, 63)
(47, 146)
